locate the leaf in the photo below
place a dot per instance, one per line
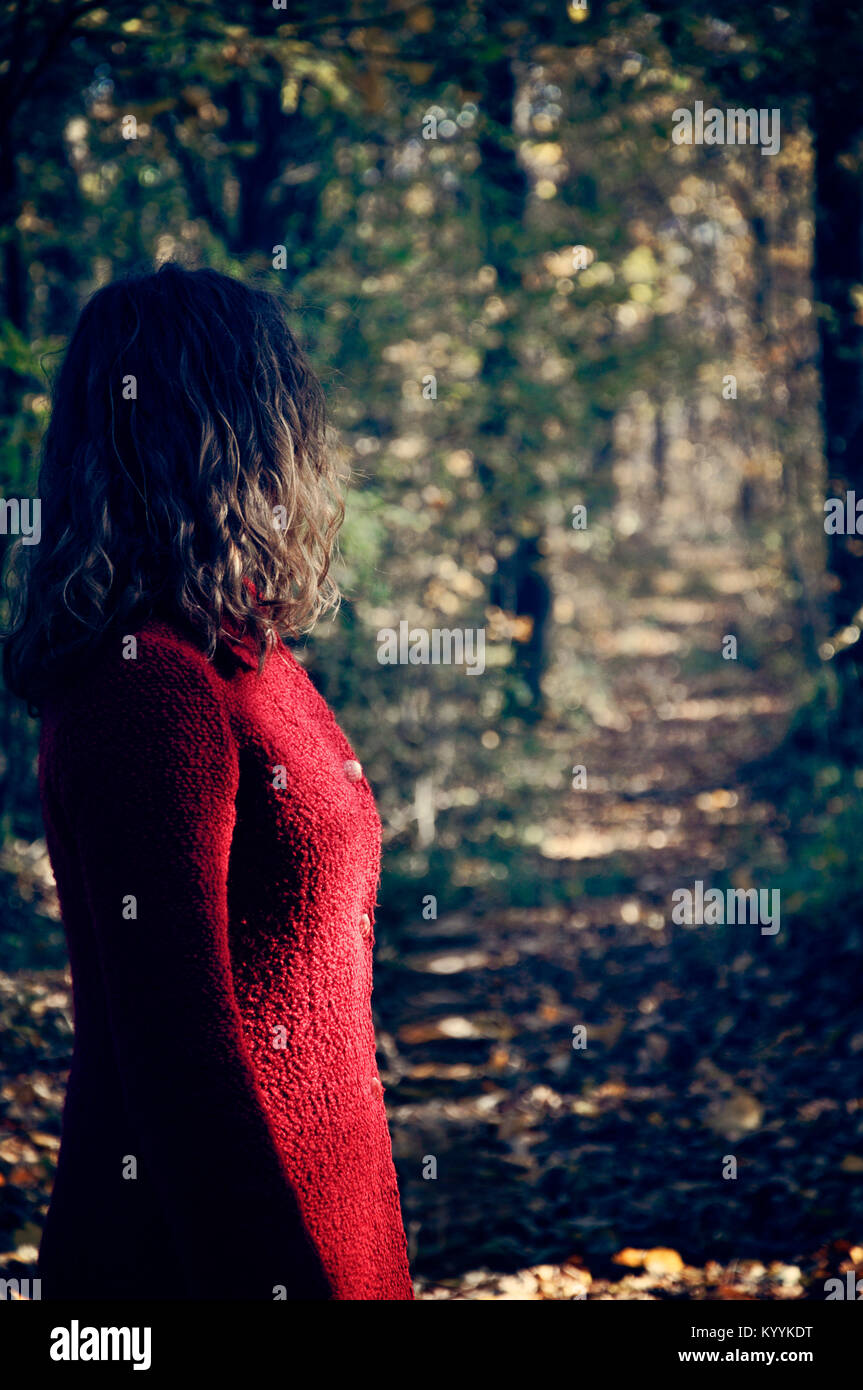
(633, 1259)
(734, 1116)
(662, 1261)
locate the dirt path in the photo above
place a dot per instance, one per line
(705, 1047)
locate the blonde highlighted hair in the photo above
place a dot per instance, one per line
(187, 470)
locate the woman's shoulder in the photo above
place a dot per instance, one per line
(148, 715)
(157, 671)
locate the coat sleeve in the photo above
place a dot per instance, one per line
(147, 781)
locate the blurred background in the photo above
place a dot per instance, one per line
(524, 299)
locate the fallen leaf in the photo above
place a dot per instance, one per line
(662, 1261)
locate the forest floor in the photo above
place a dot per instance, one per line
(603, 1172)
(707, 1141)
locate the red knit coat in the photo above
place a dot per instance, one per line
(216, 850)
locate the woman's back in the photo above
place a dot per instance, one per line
(216, 849)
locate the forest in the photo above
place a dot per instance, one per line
(584, 285)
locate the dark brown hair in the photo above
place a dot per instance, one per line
(186, 470)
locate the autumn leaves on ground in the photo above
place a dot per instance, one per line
(598, 1173)
(531, 1169)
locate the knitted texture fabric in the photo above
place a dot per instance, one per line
(217, 854)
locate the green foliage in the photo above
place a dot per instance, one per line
(450, 259)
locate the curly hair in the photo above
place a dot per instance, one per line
(186, 470)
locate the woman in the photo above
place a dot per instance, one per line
(214, 841)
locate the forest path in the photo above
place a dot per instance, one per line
(562, 1172)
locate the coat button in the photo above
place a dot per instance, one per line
(366, 925)
(353, 770)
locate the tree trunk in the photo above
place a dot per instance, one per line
(520, 584)
(838, 266)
